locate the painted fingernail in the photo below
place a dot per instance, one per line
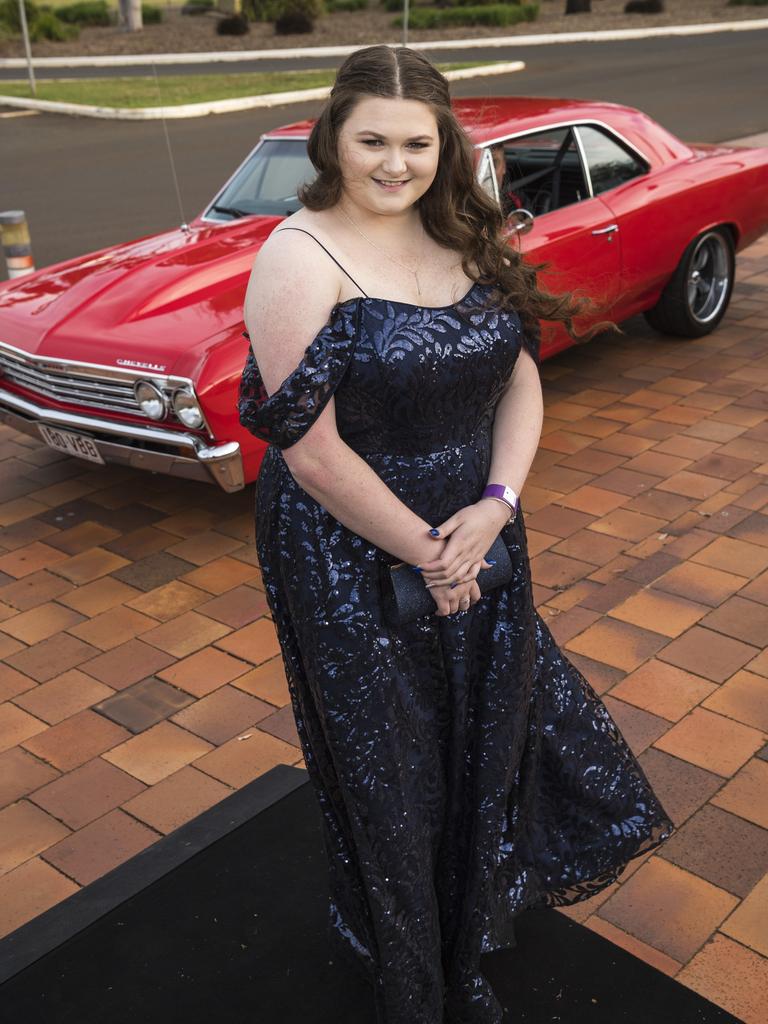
(434, 531)
(491, 561)
(416, 568)
(454, 585)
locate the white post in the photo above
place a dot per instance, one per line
(27, 48)
(17, 247)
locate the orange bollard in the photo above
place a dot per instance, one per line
(17, 246)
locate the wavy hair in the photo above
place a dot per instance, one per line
(455, 211)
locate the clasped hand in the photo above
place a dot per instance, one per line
(468, 535)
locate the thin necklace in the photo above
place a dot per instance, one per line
(385, 253)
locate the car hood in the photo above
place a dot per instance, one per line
(159, 302)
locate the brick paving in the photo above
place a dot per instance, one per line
(141, 679)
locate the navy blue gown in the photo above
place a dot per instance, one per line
(465, 769)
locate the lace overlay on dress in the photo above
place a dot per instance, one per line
(464, 767)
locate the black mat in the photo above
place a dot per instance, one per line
(224, 922)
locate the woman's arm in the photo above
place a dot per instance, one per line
(516, 431)
(344, 484)
(517, 426)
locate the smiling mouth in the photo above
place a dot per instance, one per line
(392, 181)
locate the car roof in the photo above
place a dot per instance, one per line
(496, 117)
(492, 116)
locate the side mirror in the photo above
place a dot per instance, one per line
(519, 222)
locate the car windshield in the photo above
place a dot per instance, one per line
(267, 182)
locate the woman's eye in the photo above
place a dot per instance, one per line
(412, 145)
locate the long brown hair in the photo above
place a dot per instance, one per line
(455, 210)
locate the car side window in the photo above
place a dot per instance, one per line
(541, 171)
(609, 162)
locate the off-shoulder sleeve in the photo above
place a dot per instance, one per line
(283, 417)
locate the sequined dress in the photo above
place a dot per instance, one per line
(464, 768)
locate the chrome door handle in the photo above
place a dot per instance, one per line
(605, 231)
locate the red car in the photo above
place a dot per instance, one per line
(133, 354)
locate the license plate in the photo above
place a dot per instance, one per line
(71, 444)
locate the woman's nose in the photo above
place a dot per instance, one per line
(394, 162)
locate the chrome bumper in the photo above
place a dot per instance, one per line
(142, 447)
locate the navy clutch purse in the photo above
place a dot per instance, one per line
(407, 596)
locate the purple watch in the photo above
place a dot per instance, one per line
(501, 492)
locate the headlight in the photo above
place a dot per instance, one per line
(150, 399)
(186, 408)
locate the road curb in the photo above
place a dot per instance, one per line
(271, 99)
(234, 56)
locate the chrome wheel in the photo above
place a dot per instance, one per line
(696, 297)
(708, 277)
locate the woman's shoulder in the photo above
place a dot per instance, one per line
(287, 253)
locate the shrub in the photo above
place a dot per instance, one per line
(9, 14)
(347, 5)
(47, 26)
(294, 22)
(193, 7)
(644, 7)
(492, 14)
(87, 12)
(474, 3)
(151, 15)
(233, 25)
(298, 16)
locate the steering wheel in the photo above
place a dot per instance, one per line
(544, 200)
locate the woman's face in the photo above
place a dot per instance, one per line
(388, 151)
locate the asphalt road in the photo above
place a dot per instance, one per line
(88, 183)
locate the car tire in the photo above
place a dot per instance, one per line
(696, 297)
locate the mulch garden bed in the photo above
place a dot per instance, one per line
(182, 34)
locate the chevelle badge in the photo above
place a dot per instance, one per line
(140, 366)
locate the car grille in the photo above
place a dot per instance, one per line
(70, 388)
(92, 386)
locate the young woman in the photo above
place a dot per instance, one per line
(465, 769)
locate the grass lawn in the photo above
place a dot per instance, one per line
(173, 90)
(113, 3)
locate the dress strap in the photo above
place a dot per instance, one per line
(354, 282)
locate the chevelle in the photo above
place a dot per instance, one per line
(133, 354)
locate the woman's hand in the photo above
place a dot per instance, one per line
(469, 533)
(456, 599)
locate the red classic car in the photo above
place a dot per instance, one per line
(133, 354)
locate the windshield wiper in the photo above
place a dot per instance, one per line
(234, 211)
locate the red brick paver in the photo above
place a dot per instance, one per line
(141, 680)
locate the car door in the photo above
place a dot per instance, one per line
(570, 229)
(646, 207)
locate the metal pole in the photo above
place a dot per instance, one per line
(25, 33)
(405, 22)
